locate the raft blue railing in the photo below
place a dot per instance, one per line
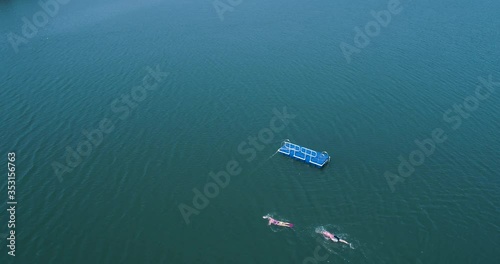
(304, 154)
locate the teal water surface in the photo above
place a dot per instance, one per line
(219, 84)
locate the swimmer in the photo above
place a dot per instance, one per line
(276, 222)
(333, 237)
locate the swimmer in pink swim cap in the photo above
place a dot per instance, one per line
(333, 237)
(276, 222)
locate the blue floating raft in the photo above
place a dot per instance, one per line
(304, 154)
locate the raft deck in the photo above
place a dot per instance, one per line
(304, 154)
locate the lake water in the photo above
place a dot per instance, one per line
(222, 92)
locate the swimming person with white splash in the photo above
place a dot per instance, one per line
(333, 237)
(273, 221)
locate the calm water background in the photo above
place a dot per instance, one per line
(120, 205)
